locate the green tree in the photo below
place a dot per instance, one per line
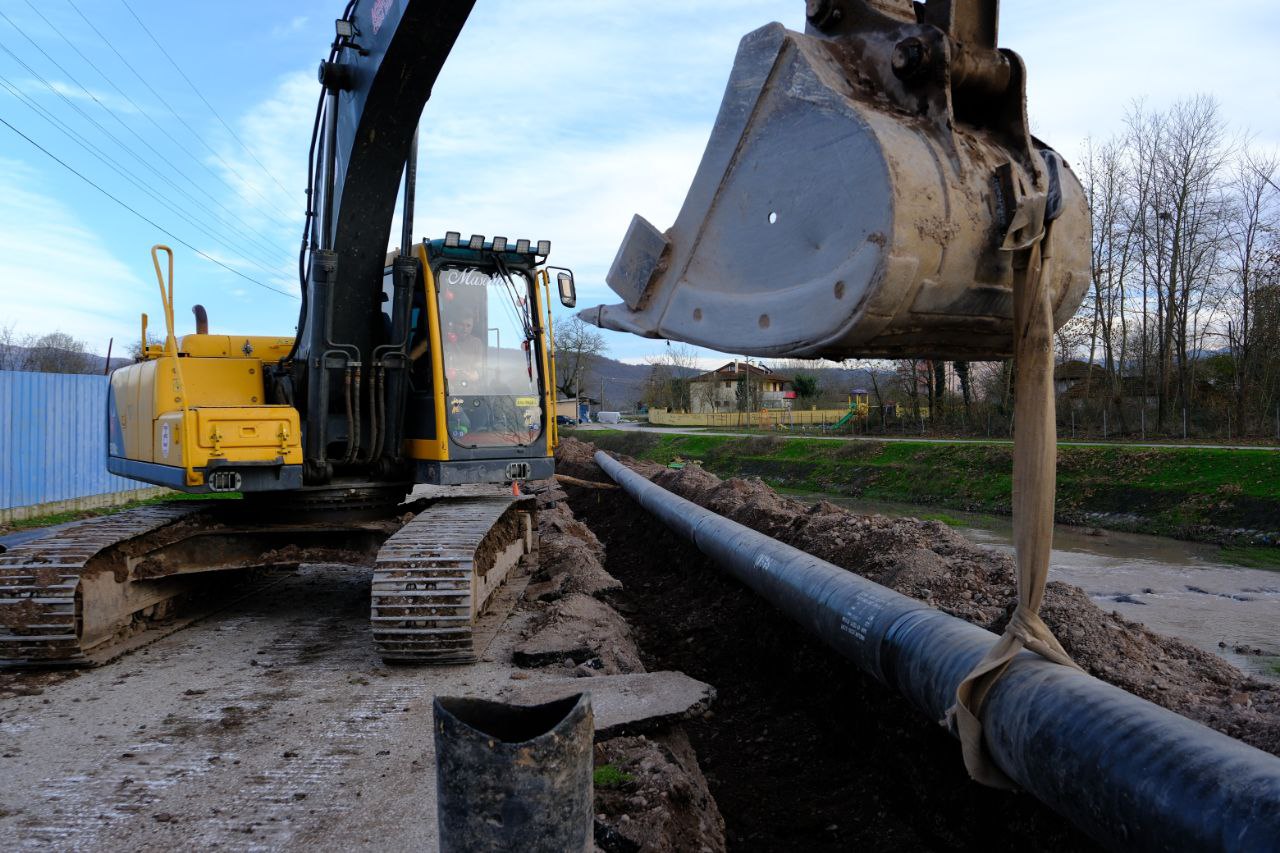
(806, 386)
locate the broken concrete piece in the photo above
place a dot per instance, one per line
(625, 704)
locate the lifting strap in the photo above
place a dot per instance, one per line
(1035, 447)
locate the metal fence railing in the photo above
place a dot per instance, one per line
(53, 445)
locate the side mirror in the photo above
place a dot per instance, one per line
(568, 295)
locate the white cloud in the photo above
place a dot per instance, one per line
(290, 28)
(39, 89)
(269, 178)
(56, 273)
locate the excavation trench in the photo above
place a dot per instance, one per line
(801, 752)
(800, 743)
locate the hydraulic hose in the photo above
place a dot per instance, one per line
(1128, 773)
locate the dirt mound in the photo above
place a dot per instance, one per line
(582, 634)
(651, 793)
(569, 554)
(929, 561)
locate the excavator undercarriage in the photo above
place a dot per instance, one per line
(85, 594)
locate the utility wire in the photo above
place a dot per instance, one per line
(178, 117)
(150, 222)
(243, 234)
(114, 165)
(157, 43)
(110, 82)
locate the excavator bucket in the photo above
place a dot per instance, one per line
(870, 188)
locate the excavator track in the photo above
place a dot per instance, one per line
(435, 577)
(41, 585)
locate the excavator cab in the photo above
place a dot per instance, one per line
(480, 403)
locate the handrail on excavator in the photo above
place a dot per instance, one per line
(171, 349)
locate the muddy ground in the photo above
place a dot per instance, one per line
(802, 753)
(273, 725)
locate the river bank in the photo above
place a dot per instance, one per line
(1174, 587)
(1227, 497)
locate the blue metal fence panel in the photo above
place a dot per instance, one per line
(53, 442)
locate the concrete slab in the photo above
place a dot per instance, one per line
(625, 704)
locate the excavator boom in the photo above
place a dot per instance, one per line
(377, 80)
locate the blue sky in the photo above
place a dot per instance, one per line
(552, 120)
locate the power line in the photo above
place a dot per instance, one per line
(243, 234)
(157, 43)
(115, 166)
(179, 118)
(153, 224)
(110, 82)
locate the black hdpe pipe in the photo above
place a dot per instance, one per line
(1130, 774)
(513, 777)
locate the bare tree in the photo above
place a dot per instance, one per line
(670, 374)
(1114, 250)
(1254, 229)
(578, 345)
(135, 347)
(1073, 337)
(1189, 172)
(12, 355)
(57, 352)
(911, 374)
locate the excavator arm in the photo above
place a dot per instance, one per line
(376, 81)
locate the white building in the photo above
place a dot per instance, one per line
(726, 388)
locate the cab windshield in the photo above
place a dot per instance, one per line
(488, 336)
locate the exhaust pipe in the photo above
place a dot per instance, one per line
(1128, 773)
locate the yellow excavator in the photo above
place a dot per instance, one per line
(431, 366)
(871, 187)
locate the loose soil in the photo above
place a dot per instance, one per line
(805, 753)
(1210, 495)
(660, 801)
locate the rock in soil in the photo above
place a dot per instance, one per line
(639, 703)
(651, 796)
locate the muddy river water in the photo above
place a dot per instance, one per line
(1176, 588)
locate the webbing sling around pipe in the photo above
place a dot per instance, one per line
(1128, 773)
